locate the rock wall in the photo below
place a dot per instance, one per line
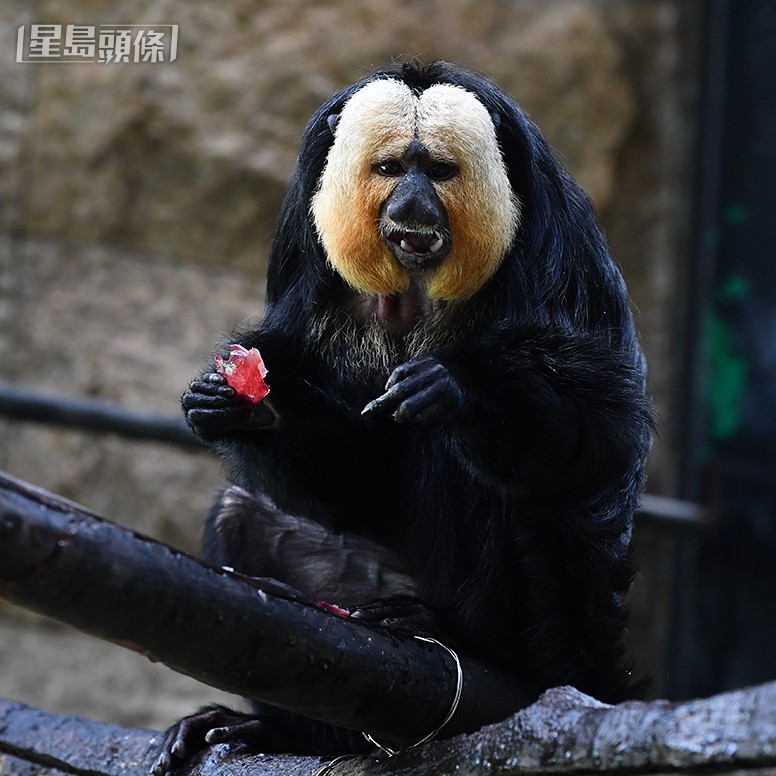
(137, 200)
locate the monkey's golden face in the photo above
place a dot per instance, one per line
(414, 187)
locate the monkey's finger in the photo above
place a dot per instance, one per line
(193, 400)
(209, 387)
(188, 737)
(210, 380)
(379, 406)
(214, 422)
(385, 403)
(399, 390)
(230, 413)
(162, 764)
(393, 401)
(214, 377)
(427, 405)
(426, 368)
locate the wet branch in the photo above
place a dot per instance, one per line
(246, 636)
(564, 732)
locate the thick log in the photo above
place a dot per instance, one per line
(564, 732)
(242, 635)
(568, 732)
(35, 742)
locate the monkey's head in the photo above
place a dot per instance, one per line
(414, 188)
(427, 184)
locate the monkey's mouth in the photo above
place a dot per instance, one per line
(418, 249)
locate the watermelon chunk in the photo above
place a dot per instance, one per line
(244, 370)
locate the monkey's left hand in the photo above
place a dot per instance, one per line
(422, 391)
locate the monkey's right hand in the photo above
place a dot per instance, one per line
(214, 410)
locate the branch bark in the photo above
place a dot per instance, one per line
(242, 635)
(35, 742)
(564, 732)
(59, 559)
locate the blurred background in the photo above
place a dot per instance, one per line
(137, 201)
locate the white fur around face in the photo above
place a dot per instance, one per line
(378, 122)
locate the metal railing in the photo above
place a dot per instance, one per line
(22, 405)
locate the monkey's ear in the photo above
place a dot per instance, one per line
(332, 120)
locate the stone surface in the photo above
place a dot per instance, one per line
(193, 159)
(94, 321)
(68, 672)
(16, 94)
(137, 201)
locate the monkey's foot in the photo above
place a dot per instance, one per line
(402, 614)
(210, 725)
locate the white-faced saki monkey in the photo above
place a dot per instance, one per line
(456, 434)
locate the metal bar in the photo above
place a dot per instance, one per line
(677, 512)
(709, 187)
(89, 415)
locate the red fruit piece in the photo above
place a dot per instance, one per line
(334, 609)
(245, 372)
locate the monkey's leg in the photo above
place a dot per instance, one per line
(249, 533)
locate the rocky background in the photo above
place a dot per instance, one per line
(136, 205)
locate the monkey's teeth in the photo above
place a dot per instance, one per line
(405, 246)
(436, 245)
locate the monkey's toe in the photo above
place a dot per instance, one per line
(211, 725)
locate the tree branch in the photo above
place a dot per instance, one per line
(564, 732)
(62, 744)
(60, 560)
(67, 563)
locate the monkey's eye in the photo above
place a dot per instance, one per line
(442, 171)
(391, 168)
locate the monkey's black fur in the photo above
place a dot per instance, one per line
(513, 508)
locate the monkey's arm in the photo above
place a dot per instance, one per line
(216, 413)
(529, 407)
(284, 445)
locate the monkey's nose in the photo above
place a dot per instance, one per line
(414, 200)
